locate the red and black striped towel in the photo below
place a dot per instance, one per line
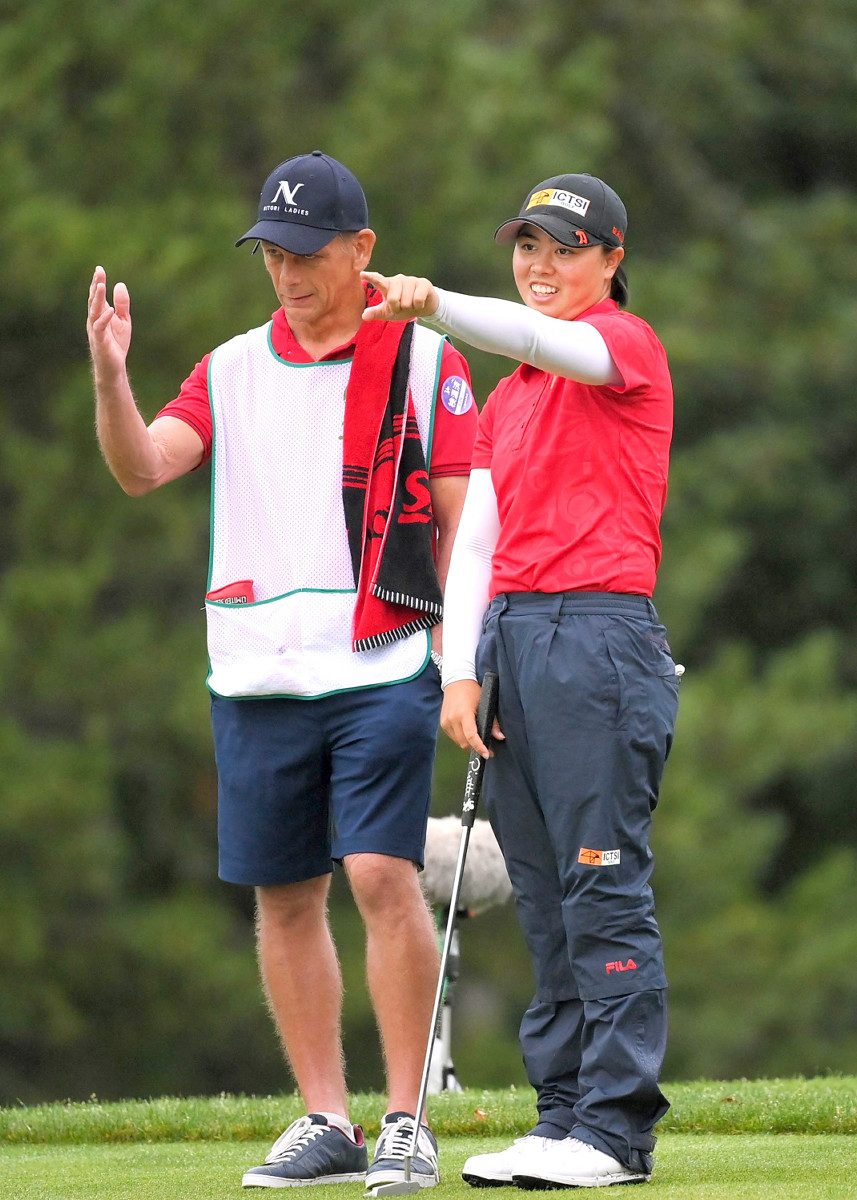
(385, 490)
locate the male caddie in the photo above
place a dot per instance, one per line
(340, 452)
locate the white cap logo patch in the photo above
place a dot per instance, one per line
(456, 396)
(286, 192)
(570, 200)
(285, 195)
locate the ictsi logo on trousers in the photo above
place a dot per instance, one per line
(630, 965)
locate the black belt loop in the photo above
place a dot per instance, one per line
(557, 607)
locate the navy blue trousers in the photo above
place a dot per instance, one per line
(588, 701)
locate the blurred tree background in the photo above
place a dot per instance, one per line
(137, 135)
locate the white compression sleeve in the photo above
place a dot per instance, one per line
(469, 578)
(571, 349)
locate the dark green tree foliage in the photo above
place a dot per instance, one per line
(137, 135)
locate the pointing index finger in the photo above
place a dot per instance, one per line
(375, 277)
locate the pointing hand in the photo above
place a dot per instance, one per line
(405, 297)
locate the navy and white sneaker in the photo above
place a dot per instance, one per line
(314, 1149)
(394, 1142)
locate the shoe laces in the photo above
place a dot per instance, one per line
(298, 1135)
(394, 1140)
(535, 1140)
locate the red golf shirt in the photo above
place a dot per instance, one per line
(580, 472)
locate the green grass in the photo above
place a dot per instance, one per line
(701, 1167)
(811, 1106)
(716, 1143)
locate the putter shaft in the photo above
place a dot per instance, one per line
(472, 791)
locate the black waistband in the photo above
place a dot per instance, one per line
(561, 603)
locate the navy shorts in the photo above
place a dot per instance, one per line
(303, 783)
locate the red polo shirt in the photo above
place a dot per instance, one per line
(580, 472)
(455, 410)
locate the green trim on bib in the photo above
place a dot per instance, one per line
(430, 435)
(212, 460)
(211, 501)
(282, 596)
(325, 362)
(321, 695)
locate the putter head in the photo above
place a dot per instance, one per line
(405, 1187)
(402, 1187)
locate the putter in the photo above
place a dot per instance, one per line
(472, 789)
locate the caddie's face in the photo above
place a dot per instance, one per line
(316, 288)
(561, 281)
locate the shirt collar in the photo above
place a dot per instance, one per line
(288, 347)
(605, 305)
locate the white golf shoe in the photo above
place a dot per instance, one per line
(571, 1163)
(497, 1170)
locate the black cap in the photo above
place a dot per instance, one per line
(576, 210)
(305, 202)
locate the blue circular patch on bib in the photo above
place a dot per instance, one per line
(456, 395)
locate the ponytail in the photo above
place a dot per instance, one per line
(619, 287)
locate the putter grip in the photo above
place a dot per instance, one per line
(485, 715)
(487, 710)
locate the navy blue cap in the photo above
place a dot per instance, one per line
(305, 202)
(576, 210)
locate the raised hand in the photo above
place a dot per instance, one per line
(405, 297)
(108, 327)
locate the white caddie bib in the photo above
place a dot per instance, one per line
(277, 519)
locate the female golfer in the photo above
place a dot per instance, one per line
(550, 586)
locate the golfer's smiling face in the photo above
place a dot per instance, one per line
(312, 288)
(561, 281)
